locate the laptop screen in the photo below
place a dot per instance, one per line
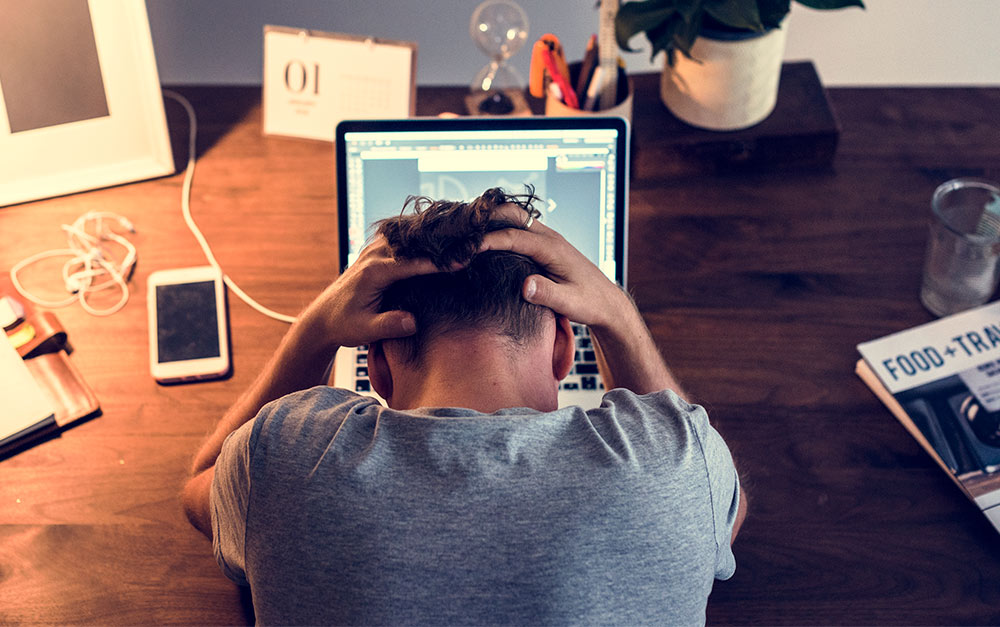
(577, 166)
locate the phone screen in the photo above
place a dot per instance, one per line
(187, 321)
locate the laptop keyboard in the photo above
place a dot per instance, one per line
(361, 381)
(582, 376)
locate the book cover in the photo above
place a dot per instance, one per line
(942, 381)
(41, 390)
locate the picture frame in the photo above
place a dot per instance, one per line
(80, 101)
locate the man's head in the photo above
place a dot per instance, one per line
(485, 294)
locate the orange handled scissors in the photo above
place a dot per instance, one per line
(547, 55)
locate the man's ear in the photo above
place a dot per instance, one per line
(564, 349)
(379, 371)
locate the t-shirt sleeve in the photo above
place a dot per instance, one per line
(229, 498)
(724, 484)
(708, 448)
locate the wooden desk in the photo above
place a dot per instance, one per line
(757, 288)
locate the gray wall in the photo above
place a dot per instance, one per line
(900, 42)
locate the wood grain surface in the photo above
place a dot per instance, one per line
(757, 286)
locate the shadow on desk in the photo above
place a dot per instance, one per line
(246, 604)
(216, 117)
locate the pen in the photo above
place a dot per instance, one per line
(586, 68)
(592, 90)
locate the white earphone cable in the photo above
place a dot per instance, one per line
(90, 260)
(186, 211)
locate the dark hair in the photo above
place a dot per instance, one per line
(484, 293)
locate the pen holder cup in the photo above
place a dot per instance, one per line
(623, 100)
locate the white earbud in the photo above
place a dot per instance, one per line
(91, 260)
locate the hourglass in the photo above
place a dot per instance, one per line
(499, 28)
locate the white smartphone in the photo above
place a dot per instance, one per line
(188, 337)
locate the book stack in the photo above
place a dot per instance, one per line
(41, 390)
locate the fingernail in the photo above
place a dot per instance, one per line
(409, 326)
(529, 289)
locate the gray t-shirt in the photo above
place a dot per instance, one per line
(336, 510)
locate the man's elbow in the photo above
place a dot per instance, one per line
(195, 500)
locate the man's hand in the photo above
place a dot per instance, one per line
(578, 289)
(627, 355)
(346, 313)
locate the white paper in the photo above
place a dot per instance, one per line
(22, 402)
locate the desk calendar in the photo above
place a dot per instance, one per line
(313, 80)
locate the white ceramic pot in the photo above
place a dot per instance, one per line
(733, 83)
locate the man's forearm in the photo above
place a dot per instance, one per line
(628, 356)
(298, 363)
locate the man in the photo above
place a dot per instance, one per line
(472, 498)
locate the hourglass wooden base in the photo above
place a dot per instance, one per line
(474, 103)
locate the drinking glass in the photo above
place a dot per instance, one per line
(960, 270)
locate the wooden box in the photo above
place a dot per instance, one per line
(801, 132)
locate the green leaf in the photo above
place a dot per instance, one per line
(825, 5)
(636, 17)
(736, 14)
(688, 8)
(662, 37)
(686, 33)
(773, 11)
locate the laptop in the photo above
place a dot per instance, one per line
(578, 167)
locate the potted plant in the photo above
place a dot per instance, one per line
(726, 75)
